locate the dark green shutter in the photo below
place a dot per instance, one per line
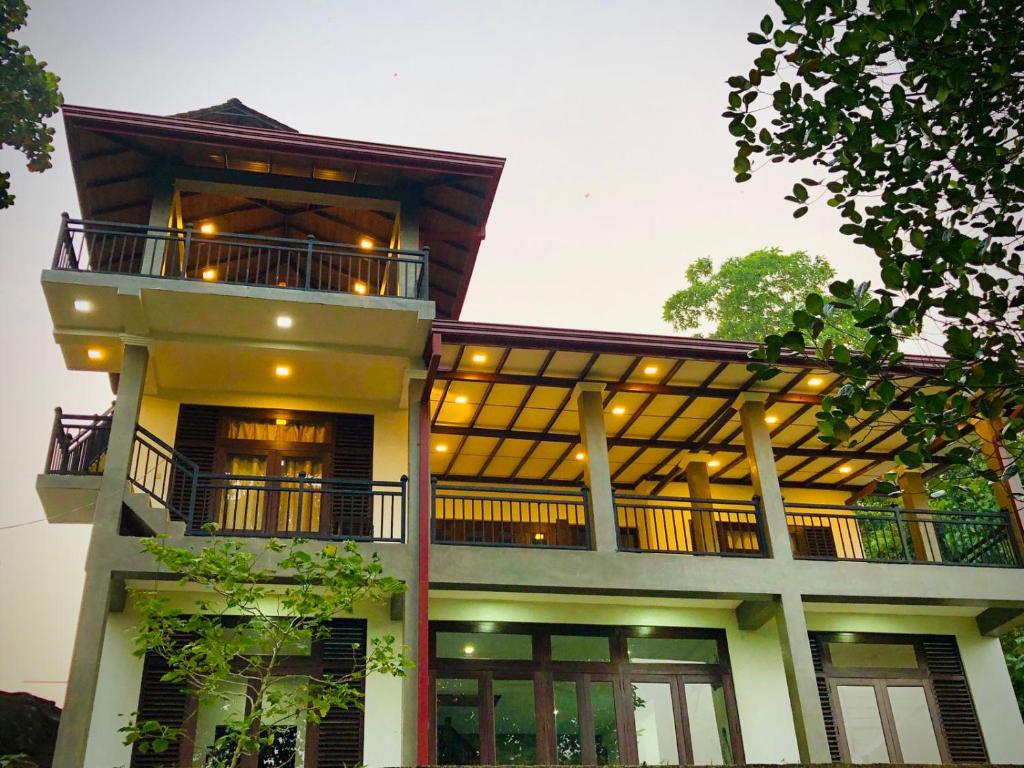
(352, 512)
(161, 701)
(340, 733)
(956, 707)
(195, 438)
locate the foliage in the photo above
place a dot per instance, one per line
(28, 95)
(250, 617)
(748, 297)
(16, 761)
(910, 112)
(1013, 650)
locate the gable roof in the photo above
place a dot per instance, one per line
(234, 112)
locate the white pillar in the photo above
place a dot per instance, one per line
(764, 476)
(924, 541)
(698, 483)
(596, 473)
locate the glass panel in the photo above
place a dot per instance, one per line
(579, 648)
(606, 734)
(709, 725)
(671, 650)
(242, 505)
(515, 723)
(914, 728)
(568, 746)
(214, 711)
(458, 722)
(863, 724)
(483, 645)
(882, 655)
(655, 724)
(288, 749)
(299, 507)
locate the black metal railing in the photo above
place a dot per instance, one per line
(505, 516)
(78, 444)
(167, 476)
(689, 525)
(189, 254)
(889, 534)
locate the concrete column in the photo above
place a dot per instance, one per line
(160, 212)
(1009, 493)
(411, 619)
(812, 740)
(408, 240)
(698, 482)
(596, 473)
(924, 541)
(763, 475)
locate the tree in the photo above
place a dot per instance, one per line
(748, 297)
(232, 638)
(28, 95)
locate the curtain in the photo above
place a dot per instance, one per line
(269, 429)
(243, 500)
(299, 510)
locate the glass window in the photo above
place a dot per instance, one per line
(709, 725)
(913, 722)
(863, 724)
(515, 723)
(227, 705)
(606, 731)
(568, 744)
(655, 724)
(671, 650)
(277, 430)
(580, 648)
(483, 645)
(458, 722)
(880, 655)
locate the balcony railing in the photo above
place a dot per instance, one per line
(891, 535)
(689, 526)
(239, 259)
(78, 444)
(511, 517)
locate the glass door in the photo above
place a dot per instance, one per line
(298, 504)
(242, 503)
(887, 721)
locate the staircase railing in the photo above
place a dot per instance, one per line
(166, 475)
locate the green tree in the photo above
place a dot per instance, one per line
(748, 297)
(28, 95)
(250, 616)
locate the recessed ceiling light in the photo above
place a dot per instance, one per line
(207, 228)
(283, 321)
(441, 448)
(581, 456)
(283, 370)
(771, 419)
(815, 381)
(468, 650)
(845, 470)
(95, 354)
(461, 399)
(83, 305)
(210, 274)
(714, 463)
(281, 422)
(365, 243)
(479, 358)
(618, 410)
(359, 288)
(650, 370)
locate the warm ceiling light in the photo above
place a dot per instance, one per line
(771, 419)
(618, 410)
(207, 228)
(441, 448)
(479, 358)
(469, 650)
(283, 370)
(714, 463)
(366, 243)
(359, 288)
(283, 321)
(83, 305)
(210, 274)
(650, 370)
(281, 422)
(581, 456)
(538, 536)
(461, 399)
(815, 381)
(845, 470)
(95, 354)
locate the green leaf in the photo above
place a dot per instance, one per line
(800, 212)
(815, 304)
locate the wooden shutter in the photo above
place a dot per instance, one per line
(953, 697)
(340, 734)
(352, 512)
(161, 701)
(826, 703)
(196, 438)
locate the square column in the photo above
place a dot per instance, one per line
(1009, 492)
(763, 475)
(412, 613)
(596, 473)
(921, 531)
(698, 483)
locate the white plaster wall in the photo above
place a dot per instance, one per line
(762, 698)
(987, 676)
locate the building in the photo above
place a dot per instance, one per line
(618, 548)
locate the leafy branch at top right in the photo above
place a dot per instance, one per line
(909, 115)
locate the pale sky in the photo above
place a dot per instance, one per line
(618, 175)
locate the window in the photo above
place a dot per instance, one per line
(516, 694)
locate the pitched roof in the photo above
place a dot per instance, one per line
(234, 112)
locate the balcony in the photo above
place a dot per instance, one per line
(189, 254)
(676, 525)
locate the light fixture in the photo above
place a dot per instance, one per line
(207, 228)
(581, 456)
(714, 463)
(538, 536)
(461, 399)
(618, 410)
(281, 422)
(845, 469)
(95, 354)
(283, 321)
(83, 305)
(365, 243)
(479, 358)
(209, 274)
(359, 287)
(283, 370)
(441, 448)
(771, 419)
(650, 370)
(815, 381)
(469, 650)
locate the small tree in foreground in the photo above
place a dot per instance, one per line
(254, 616)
